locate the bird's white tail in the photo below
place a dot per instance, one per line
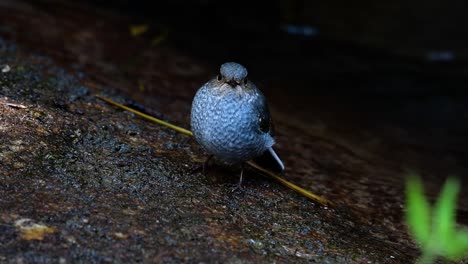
(273, 153)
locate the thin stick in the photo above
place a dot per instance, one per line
(184, 131)
(148, 117)
(291, 185)
(18, 106)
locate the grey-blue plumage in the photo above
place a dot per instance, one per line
(230, 117)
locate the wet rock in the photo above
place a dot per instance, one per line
(118, 189)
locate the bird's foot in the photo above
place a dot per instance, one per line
(237, 187)
(203, 168)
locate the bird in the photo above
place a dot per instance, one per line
(230, 119)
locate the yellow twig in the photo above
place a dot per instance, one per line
(184, 131)
(291, 185)
(148, 117)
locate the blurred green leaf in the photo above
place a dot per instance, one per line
(417, 211)
(444, 213)
(459, 246)
(437, 236)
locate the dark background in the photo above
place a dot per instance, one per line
(390, 50)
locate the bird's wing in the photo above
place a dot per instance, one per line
(269, 158)
(264, 118)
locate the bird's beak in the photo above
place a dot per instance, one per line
(232, 83)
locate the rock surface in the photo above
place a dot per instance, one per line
(83, 181)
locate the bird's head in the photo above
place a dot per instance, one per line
(233, 74)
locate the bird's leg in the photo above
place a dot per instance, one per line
(204, 167)
(239, 185)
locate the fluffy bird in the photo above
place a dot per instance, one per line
(230, 119)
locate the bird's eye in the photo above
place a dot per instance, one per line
(245, 80)
(219, 77)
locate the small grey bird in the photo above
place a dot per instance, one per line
(231, 120)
